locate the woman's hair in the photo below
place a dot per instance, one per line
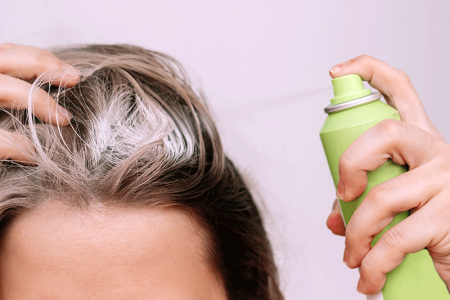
(140, 136)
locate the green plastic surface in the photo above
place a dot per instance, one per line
(415, 278)
(347, 88)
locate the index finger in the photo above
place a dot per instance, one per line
(27, 62)
(412, 189)
(395, 86)
(389, 139)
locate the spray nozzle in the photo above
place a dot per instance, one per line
(347, 88)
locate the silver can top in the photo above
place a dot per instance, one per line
(357, 102)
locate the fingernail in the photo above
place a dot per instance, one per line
(62, 112)
(340, 67)
(340, 190)
(346, 256)
(360, 287)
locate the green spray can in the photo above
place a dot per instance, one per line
(354, 110)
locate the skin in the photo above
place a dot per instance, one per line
(116, 253)
(424, 190)
(19, 63)
(56, 252)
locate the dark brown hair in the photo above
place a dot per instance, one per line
(141, 136)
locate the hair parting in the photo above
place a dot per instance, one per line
(140, 136)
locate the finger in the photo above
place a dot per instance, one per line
(14, 94)
(408, 236)
(395, 86)
(389, 139)
(29, 62)
(335, 222)
(402, 193)
(442, 265)
(16, 147)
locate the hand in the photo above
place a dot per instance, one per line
(19, 63)
(398, 92)
(424, 189)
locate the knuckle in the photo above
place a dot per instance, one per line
(345, 162)
(41, 56)
(367, 265)
(391, 128)
(364, 58)
(45, 59)
(393, 238)
(402, 76)
(378, 195)
(351, 235)
(365, 61)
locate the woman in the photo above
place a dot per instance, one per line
(117, 187)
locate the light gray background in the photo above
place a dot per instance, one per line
(264, 67)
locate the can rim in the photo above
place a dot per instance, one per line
(360, 101)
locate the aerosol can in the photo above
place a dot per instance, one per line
(354, 110)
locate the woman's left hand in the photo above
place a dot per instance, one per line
(17, 65)
(424, 189)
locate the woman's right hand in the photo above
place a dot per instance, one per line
(424, 189)
(20, 63)
(398, 92)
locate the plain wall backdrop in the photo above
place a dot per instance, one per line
(264, 67)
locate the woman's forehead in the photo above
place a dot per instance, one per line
(105, 252)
